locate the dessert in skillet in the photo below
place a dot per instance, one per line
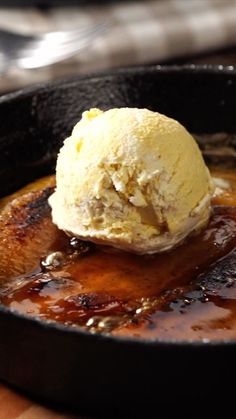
(138, 238)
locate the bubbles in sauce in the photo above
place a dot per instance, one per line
(187, 293)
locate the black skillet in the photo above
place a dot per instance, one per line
(102, 374)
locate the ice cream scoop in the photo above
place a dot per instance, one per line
(133, 179)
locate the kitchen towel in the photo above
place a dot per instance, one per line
(140, 32)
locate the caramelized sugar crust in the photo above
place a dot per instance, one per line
(187, 293)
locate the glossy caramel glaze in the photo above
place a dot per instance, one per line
(187, 293)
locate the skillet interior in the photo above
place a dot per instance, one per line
(74, 367)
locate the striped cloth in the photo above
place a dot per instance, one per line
(141, 32)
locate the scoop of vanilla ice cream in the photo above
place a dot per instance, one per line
(131, 178)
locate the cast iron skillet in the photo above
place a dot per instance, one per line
(70, 366)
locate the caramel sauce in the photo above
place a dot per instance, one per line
(187, 293)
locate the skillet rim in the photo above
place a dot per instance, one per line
(129, 70)
(57, 327)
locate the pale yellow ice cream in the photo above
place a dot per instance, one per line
(133, 179)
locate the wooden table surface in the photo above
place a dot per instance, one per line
(14, 405)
